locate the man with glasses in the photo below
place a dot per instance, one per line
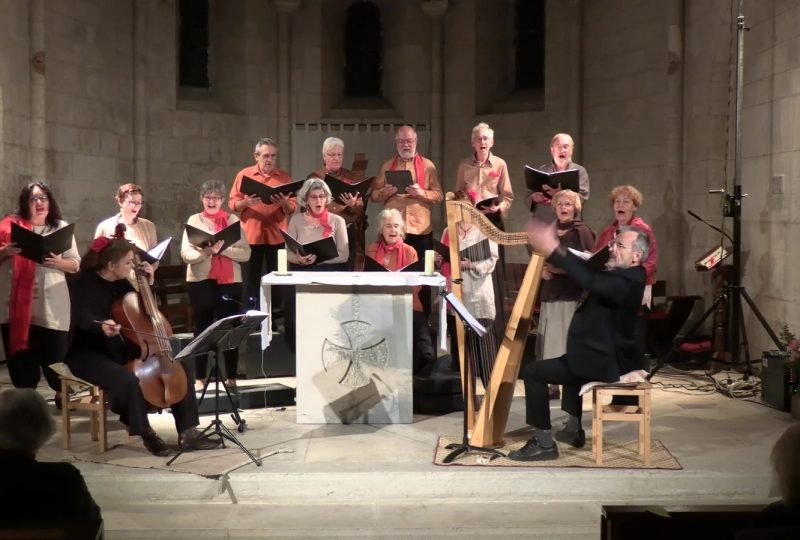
(600, 338)
(416, 202)
(561, 149)
(262, 221)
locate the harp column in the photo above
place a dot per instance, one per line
(285, 8)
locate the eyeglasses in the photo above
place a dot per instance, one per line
(40, 198)
(133, 203)
(266, 156)
(406, 141)
(618, 245)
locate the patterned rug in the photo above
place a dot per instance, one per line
(616, 455)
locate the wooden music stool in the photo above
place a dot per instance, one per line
(621, 413)
(94, 402)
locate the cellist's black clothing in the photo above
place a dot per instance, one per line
(100, 359)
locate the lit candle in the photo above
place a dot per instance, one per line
(283, 267)
(429, 262)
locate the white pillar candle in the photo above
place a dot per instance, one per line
(283, 267)
(429, 262)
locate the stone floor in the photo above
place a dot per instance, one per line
(378, 481)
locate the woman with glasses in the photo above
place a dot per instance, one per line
(625, 202)
(140, 231)
(35, 315)
(559, 294)
(312, 224)
(214, 275)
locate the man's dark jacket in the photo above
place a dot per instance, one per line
(601, 335)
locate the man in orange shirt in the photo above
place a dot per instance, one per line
(416, 203)
(262, 220)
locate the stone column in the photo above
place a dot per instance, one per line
(435, 9)
(139, 61)
(38, 141)
(284, 116)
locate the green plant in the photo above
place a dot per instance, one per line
(787, 338)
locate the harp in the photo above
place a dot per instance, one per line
(487, 422)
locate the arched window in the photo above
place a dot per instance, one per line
(362, 50)
(529, 44)
(193, 43)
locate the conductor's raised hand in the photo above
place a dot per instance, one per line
(542, 237)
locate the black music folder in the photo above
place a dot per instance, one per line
(442, 250)
(154, 254)
(200, 238)
(251, 187)
(596, 261)
(324, 249)
(340, 187)
(536, 179)
(37, 247)
(371, 265)
(399, 179)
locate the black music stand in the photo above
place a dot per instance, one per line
(224, 334)
(471, 324)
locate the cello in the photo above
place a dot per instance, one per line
(161, 378)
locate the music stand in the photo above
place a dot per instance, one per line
(226, 333)
(470, 324)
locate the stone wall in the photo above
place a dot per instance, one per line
(644, 87)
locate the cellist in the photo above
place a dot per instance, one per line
(98, 352)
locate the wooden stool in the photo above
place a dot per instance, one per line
(621, 413)
(94, 402)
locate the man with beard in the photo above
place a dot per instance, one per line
(561, 149)
(416, 202)
(600, 338)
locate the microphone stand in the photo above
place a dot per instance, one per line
(734, 291)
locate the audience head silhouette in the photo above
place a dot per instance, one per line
(25, 422)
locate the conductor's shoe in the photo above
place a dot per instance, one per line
(190, 439)
(155, 444)
(533, 452)
(576, 439)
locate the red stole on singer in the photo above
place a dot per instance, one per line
(20, 301)
(221, 266)
(384, 250)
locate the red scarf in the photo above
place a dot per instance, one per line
(20, 301)
(419, 168)
(327, 228)
(385, 249)
(221, 266)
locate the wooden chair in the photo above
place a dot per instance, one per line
(621, 413)
(89, 398)
(173, 300)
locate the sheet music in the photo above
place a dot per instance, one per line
(466, 316)
(189, 349)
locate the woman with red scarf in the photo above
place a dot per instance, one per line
(314, 223)
(35, 316)
(214, 277)
(393, 253)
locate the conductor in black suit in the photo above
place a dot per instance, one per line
(599, 340)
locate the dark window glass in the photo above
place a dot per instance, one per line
(193, 43)
(529, 44)
(362, 50)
